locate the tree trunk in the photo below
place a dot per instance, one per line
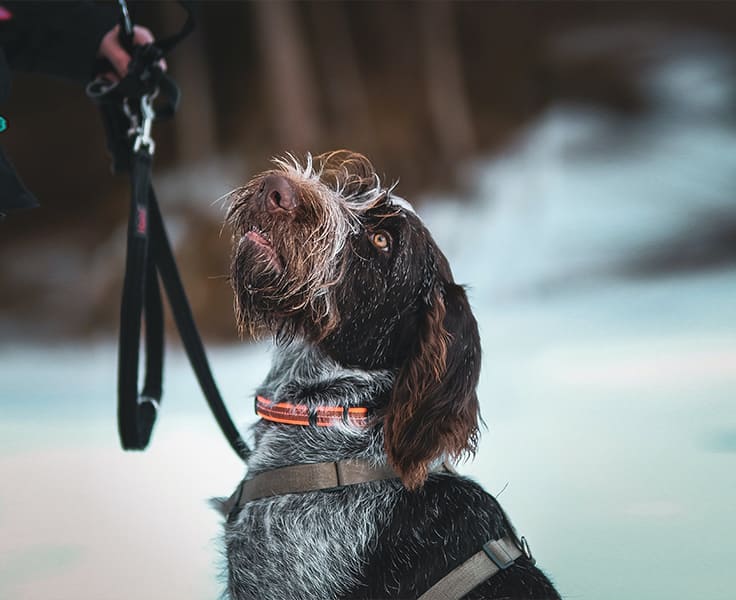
(195, 121)
(344, 85)
(289, 79)
(448, 103)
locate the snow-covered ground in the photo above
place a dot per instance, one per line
(609, 396)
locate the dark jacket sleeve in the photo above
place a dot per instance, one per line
(56, 38)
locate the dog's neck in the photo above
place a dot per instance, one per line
(301, 374)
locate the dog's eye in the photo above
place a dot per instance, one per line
(381, 240)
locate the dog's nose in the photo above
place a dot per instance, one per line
(279, 194)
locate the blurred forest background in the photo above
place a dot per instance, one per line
(423, 88)
(576, 162)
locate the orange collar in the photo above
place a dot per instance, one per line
(301, 414)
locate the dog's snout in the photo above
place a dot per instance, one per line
(279, 194)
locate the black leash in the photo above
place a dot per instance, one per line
(128, 114)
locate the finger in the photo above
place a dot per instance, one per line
(119, 59)
(141, 36)
(111, 50)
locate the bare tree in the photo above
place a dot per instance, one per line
(448, 102)
(195, 123)
(289, 80)
(344, 85)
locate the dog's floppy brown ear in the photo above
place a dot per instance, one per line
(433, 411)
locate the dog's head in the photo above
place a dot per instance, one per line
(326, 253)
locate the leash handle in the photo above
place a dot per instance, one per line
(144, 78)
(166, 44)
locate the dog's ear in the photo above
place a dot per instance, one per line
(433, 411)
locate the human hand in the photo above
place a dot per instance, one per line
(111, 49)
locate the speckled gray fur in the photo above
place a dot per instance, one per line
(319, 538)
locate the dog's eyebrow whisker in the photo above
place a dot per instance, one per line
(503, 489)
(226, 195)
(354, 251)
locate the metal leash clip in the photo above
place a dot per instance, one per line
(143, 131)
(134, 128)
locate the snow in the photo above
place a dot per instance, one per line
(611, 435)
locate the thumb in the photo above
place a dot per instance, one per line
(119, 59)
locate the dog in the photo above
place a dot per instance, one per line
(376, 365)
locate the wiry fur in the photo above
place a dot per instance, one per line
(366, 313)
(339, 534)
(301, 374)
(329, 216)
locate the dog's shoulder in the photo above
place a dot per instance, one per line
(434, 529)
(430, 531)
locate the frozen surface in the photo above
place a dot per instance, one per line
(609, 398)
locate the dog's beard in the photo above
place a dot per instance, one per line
(265, 297)
(291, 289)
(283, 274)
(257, 282)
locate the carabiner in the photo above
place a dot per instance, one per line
(148, 114)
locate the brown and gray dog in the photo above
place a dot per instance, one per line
(366, 316)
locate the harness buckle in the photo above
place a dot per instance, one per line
(498, 552)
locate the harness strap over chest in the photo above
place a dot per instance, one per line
(296, 479)
(495, 556)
